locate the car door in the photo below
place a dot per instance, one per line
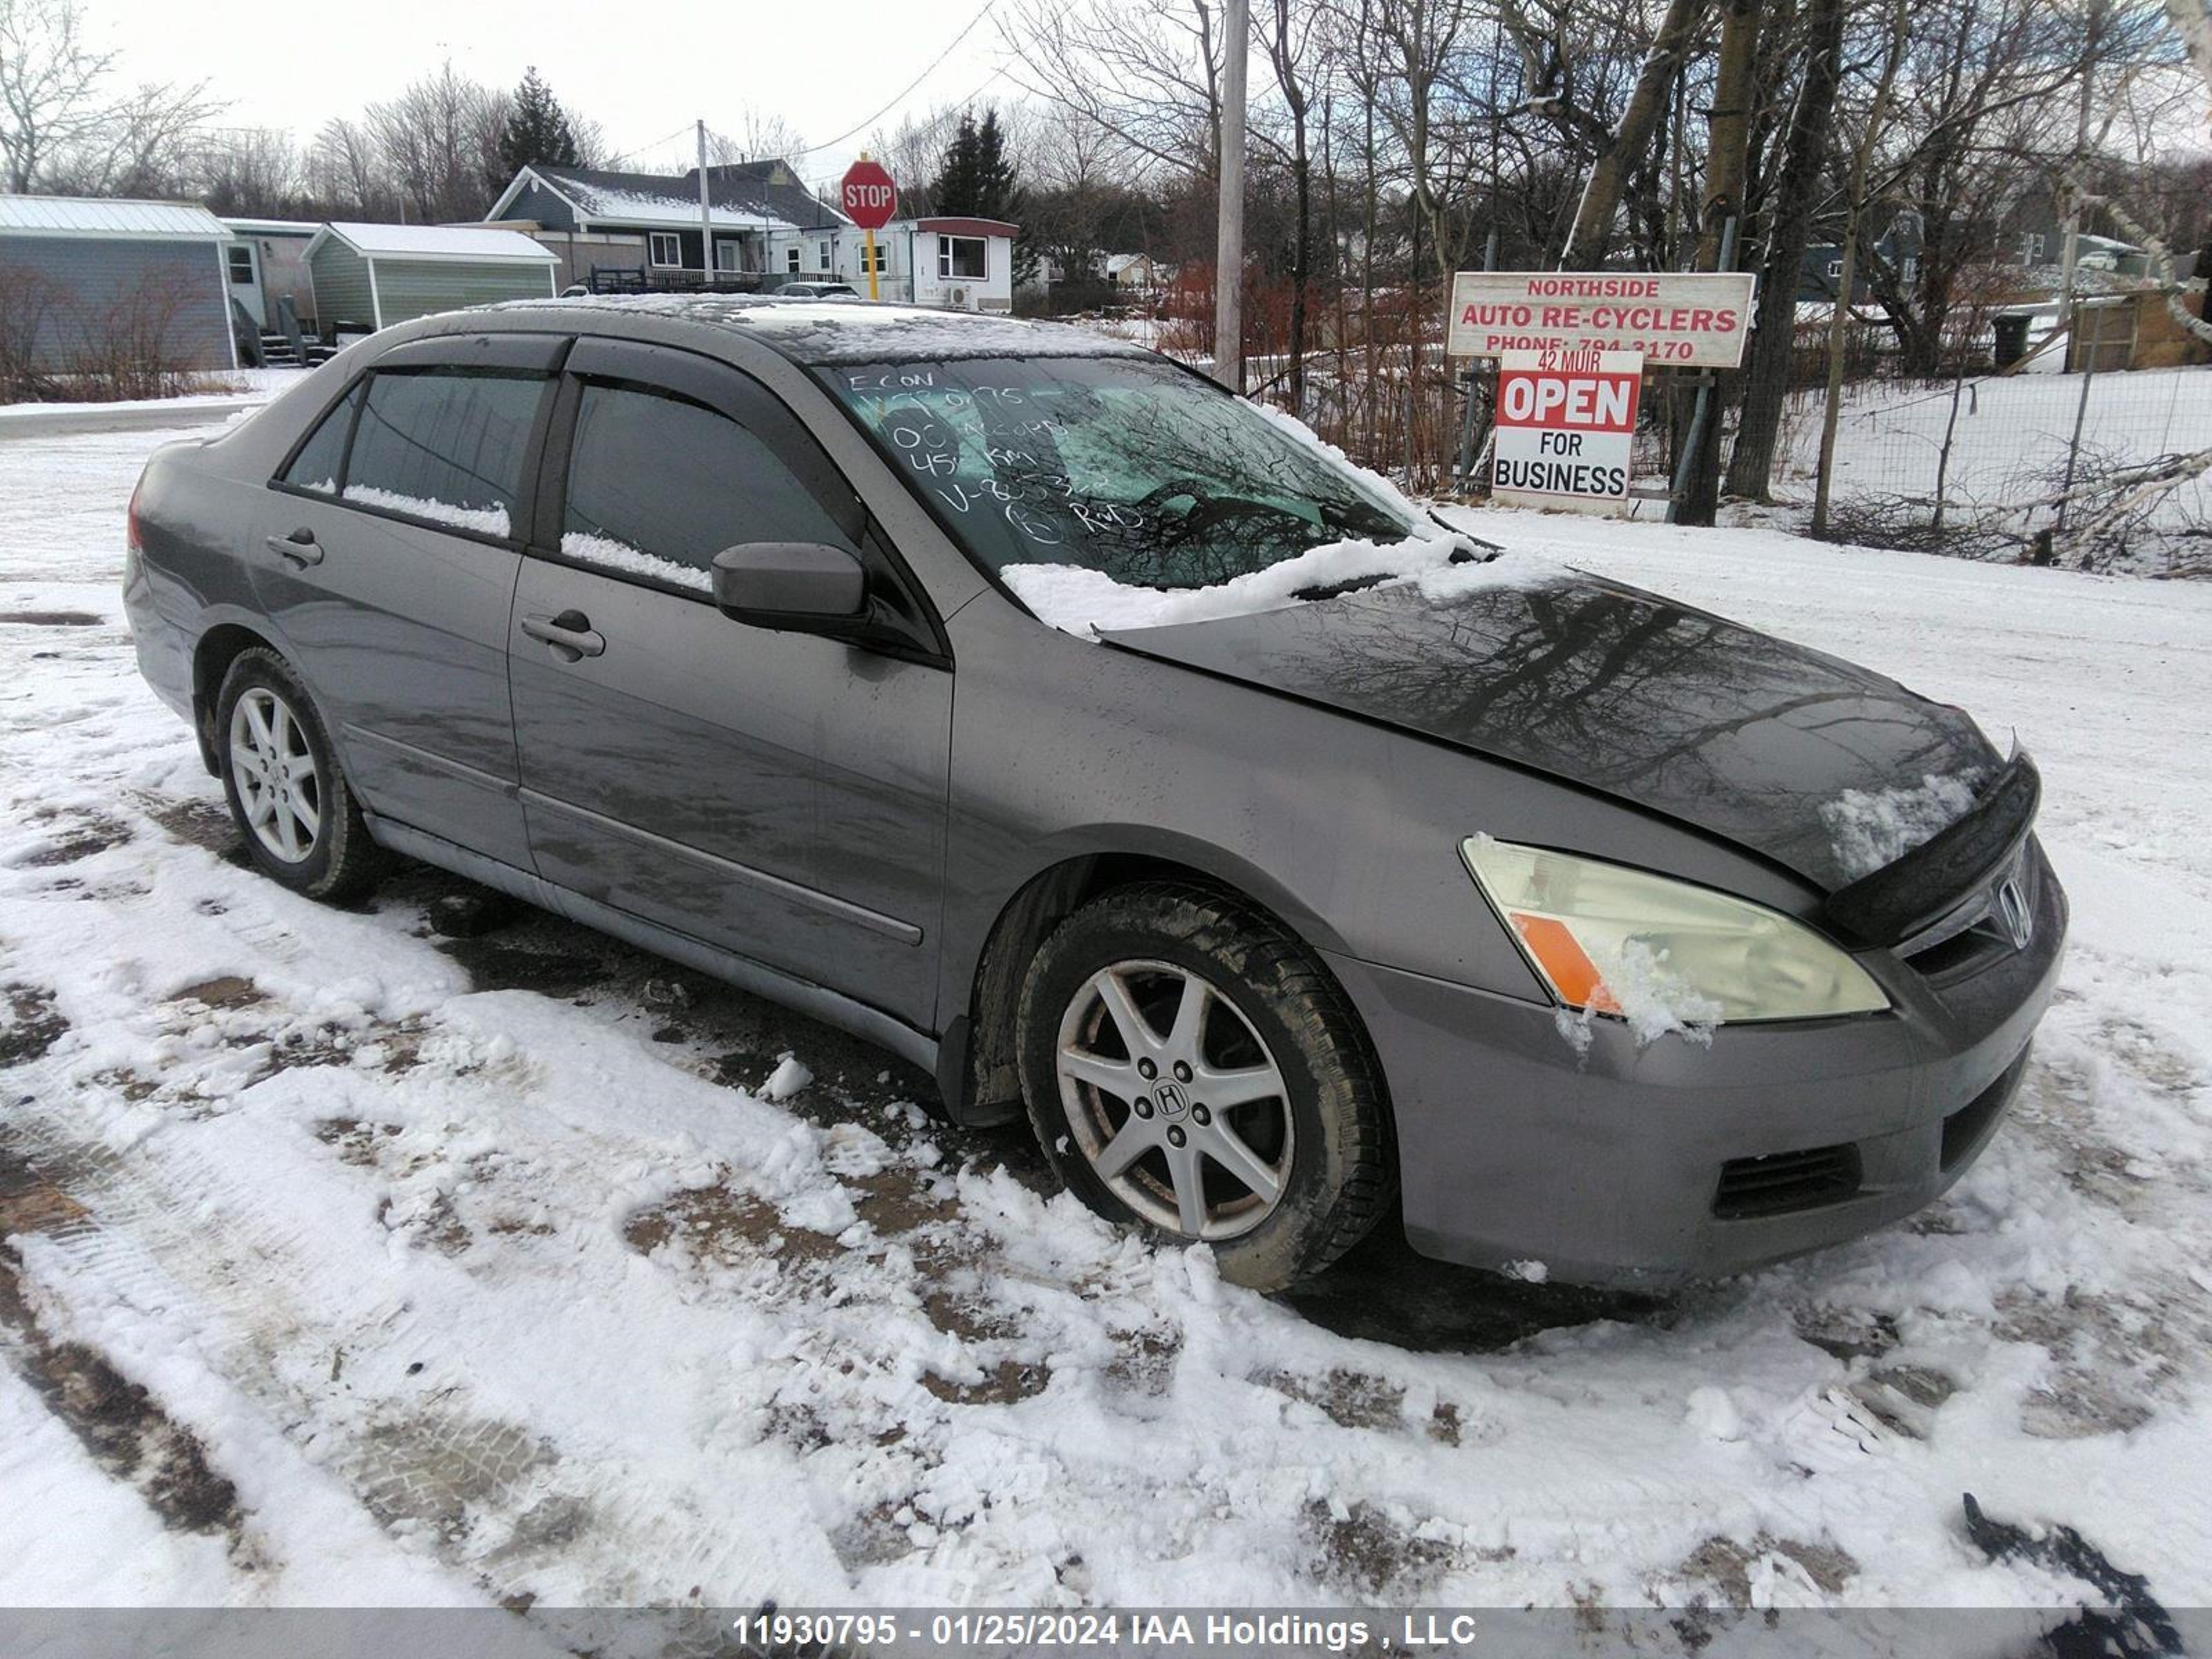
(386, 556)
(781, 795)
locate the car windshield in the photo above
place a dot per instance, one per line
(1126, 465)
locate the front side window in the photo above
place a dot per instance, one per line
(320, 461)
(1126, 465)
(658, 485)
(445, 445)
(963, 255)
(666, 248)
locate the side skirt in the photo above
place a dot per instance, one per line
(801, 996)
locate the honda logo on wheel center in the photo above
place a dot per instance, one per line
(1173, 1102)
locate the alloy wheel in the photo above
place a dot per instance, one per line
(1175, 1100)
(280, 788)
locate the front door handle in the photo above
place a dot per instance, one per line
(300, 547)
(570, 634)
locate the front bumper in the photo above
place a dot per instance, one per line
(1652, 1166)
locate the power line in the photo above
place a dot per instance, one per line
(862, 125)
(630, 155)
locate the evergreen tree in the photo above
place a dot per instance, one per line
(977, 181)
(537, 129)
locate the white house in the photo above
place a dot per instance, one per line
(966, 265)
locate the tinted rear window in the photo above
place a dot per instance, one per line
(445, 445)
(322, 457)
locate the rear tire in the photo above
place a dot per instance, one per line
(301, 825)
(1155, 997)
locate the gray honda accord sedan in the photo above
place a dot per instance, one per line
(1023, 703)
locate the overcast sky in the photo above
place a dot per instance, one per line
(642, 72)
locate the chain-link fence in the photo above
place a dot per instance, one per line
(2067, 467)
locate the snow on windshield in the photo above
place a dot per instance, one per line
(1089, 603)
(1872, 828)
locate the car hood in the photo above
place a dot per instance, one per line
(1667, 707)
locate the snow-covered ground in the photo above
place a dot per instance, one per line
(463, 1256)
(2008, 439)
(228, 389)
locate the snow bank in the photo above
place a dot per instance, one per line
(1870, 828)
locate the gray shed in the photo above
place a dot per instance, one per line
(371, 276)
(82, 279)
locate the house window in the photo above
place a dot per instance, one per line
(2030, 248)
(824, 247)
(241, 263)
(791, 258)
(963, 255)
(1835, 270)
(727, 254)
(666, 247)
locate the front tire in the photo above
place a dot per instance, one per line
(1192, 1070)
(301, 825)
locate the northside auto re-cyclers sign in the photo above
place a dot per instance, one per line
(1677, 319)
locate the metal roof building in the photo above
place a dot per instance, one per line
(82, 279)
(370, 277)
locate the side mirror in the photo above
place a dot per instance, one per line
(806, 587)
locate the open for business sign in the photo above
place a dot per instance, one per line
(1567, 422)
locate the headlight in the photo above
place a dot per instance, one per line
(1660, 952)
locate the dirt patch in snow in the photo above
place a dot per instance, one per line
(1349, 1399)
(1363, 1552)
(80, 835)
(728, 1225)
(52, 618)
(1727, 1563)
(114, 1419)
(31, 1026)
(195, 822)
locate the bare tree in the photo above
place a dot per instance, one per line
(49, 82)
(760, 135)
(1789, 234)
(1148, 71)
(1624, 149)
(439, 144)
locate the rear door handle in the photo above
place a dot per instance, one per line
(570, 634)
(300, 547)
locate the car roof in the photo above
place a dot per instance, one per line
(819, 334)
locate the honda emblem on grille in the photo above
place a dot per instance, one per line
(2014, 916)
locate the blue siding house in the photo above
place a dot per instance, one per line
(82, 279)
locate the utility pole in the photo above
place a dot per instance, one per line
(706, 216)
(1229, 248)
(2070, 320)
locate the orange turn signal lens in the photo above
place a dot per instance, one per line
(1574, 976)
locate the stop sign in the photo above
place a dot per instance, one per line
(870, 197)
